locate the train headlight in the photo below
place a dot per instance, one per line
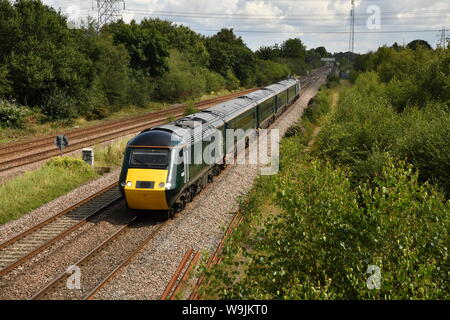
(129, 184)
(161, 184)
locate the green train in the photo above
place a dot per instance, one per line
(162, 169)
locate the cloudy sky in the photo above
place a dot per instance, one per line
(316, 22)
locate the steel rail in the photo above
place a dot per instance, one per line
(94, 291)
(143, 122)
(187, 273)
(33, 232)
(52, 285)
(177, 273)
(14, 147)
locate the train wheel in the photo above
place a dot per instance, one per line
(180, 205)
(170, 213)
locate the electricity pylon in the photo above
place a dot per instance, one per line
(109, 11)
(351, 40)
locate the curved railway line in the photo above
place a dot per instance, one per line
(17, 154)
(101, 264)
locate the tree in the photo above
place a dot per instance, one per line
(293, 48)
(415, 44)
(5, 84)
(42, 55)
(321, 51)
(111, 66)
(222, 57)
(147, 48)
(267, 53)
(229, 52)
(185, 40)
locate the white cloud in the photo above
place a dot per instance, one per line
(292, 18)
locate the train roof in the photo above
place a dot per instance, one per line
(230, 109)
(262, 94)
(155, 138)
(282, 85)
(194, 126)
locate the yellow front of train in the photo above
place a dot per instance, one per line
(145, 177)
(145, 189)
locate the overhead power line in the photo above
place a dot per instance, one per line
(319, 32)
(317, 17)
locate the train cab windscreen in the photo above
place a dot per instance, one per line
(149, 158)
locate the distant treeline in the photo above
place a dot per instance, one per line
(62, 73)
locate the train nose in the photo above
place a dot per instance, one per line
(146, 189)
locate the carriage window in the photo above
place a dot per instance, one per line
(150, 158)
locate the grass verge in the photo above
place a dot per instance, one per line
(35, 188)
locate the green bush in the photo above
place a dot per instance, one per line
(59, 106)
(359, 125)
(318, 106)
(425, 142)
(141, 90)
(69, 164)
(269, 72)
(366, 122)
(232, 82)
(12, 115)
(5, 84)
(190, 109)
(329, 233)
(213, 81)
(332, 80)
(182, 81)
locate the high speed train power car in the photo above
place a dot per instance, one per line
(162, 171)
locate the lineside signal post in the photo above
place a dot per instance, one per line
(61, 142)
(88, 156)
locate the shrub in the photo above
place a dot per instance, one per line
(59, 106)
(332, 80)
(190, 109)
(424, 142)
(69, 164)
(330, 233)
(141, 90)
(182, 81)
(213, 80)
(12, 115)
(232, 82)
(318, 106)
(110, 155)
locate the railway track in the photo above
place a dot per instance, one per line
(23, 247)
(101, 264)
(17, 154)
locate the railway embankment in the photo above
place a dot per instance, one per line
(354, 215)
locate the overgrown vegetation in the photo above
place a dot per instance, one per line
(373, 192)
(367, 124)
(111, 154)
(31, 190)
(63, 73)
